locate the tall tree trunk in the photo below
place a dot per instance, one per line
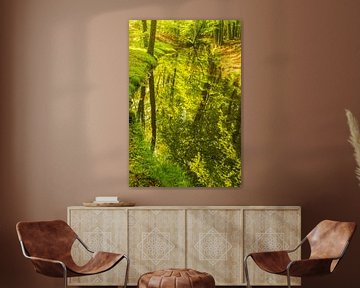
(153, 110)
(230, 30)
(152, 85)
(233, 28)
(151, 46)
(205, 94)
(202, 105)
(221, 33)
(144, 30)
(141, 109)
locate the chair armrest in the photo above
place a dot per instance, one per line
(32, 258)
(281, 251)
(309, 267)
(84, 245)
(298, 246)
(268, 253)
(48, 267)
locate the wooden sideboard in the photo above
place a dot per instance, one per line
(212, 239)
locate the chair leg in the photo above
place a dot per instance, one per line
(65, 275)
(246, 272)
(288, 278)
(127, 271)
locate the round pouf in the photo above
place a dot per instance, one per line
(176, 278)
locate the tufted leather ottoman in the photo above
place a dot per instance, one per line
(176, 278)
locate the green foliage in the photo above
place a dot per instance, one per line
(147, 169)
(198, 103)
(162, 48)
(140, 65)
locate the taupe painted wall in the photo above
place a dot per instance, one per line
(63, 120)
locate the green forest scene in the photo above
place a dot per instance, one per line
(185, 103)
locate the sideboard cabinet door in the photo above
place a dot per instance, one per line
(156, 240)
(214, 244)
(269, 230)
(101, 230)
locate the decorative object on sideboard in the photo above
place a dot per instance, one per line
(107, 204)
(108, 201)
(354, 140)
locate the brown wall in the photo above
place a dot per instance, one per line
(64, 111)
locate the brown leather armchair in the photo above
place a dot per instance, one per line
(48, 245)
(328, 242)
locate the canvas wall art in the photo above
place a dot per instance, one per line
(185, 103)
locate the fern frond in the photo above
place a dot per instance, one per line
(354, 140)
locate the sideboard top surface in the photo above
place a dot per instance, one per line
(193, 207)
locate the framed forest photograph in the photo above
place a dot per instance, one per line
(185, 103)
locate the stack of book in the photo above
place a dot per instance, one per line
(106, 199)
